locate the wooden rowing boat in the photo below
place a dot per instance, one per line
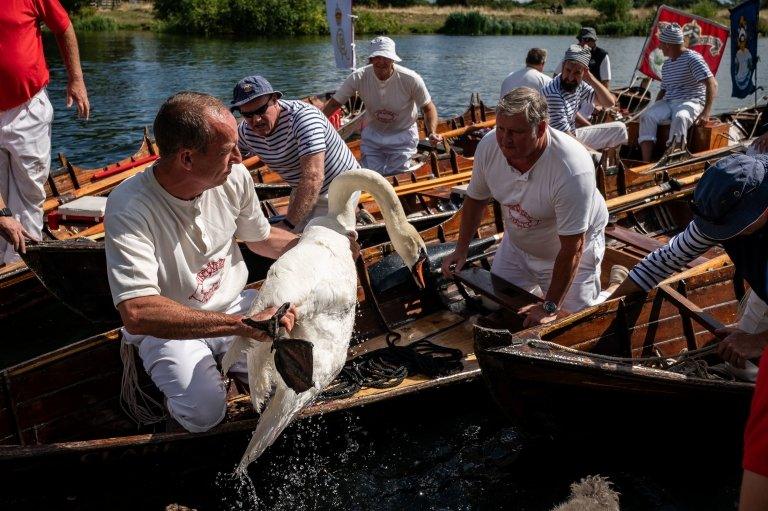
(591, 363)
(57, 409)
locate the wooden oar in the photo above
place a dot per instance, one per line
(472, 127)
(631, 199)
(691, 310)
(713, 264)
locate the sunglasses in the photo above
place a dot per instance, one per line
(259, 111)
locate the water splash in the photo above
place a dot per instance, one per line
(237, 492)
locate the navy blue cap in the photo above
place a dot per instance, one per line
(250, 88)
(731, 195)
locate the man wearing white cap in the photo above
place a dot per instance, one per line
(688, 90)
(568, 92)
(392, 95)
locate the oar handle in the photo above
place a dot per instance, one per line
(460, 131)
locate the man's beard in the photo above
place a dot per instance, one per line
(568, 86)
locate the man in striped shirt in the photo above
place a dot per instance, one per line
(573, 88)
(295, 140)
(688, 90)
(731, 209)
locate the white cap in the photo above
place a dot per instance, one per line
(384, 47)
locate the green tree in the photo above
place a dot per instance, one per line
(613, 10)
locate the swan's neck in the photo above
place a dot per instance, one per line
(341, 208)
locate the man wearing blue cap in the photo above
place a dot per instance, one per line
(730, 204)
(731, 209)
(688, 91)
(295, 140)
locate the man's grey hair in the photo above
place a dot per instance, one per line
(184, 122)
(526, 101)
(536, 57)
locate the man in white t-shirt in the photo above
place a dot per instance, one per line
(687, 93)
(554, 216)
(531, 76)
(392, 95)
(175, 272)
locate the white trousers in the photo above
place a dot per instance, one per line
(754, 317)
(187, 374)
(753, 320)
(681, 115)
(388, 153)
(535, 274)
(25, 162)
(602, 136)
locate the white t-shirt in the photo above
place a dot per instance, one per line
(390, 105)
(526, 77)
(184, 250)
(557, 196)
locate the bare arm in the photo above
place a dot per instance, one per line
(606, 84)
(603, 96)
(628, 287)
(711, 85)
(308, 190)
(166, 319)
(76, 91)
(279, 241)
(754, 492)
(330, 107)
(563, 272)
(471, 214)
(430, 118)
(13, 232)
(581, 121)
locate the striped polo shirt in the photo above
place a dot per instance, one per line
(563, 106)
(671, 258)
(301, 130)
(681, 79)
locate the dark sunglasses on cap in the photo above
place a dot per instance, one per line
(259, 111)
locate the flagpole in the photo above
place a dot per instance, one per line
(645, 44)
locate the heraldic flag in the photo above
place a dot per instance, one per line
(700, 35)
(339, 13)
(744, 47)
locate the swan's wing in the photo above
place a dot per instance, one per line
(310, 276)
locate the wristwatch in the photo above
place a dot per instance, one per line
(5, 212)
(549, 307)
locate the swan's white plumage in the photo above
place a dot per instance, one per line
(318, 277)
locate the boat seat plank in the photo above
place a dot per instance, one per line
(496, 288)
(641, 242)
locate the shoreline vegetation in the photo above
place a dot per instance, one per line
(307, 17)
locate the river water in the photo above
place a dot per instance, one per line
(444, 451)
(128, 76)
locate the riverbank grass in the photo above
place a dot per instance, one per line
(423, 19)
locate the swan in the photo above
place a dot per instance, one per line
(318, 277)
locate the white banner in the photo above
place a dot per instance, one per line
(339, 13)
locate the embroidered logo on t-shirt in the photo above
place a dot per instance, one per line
(208, 281)
(520, 217)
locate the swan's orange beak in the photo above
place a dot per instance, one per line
(418, 270)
